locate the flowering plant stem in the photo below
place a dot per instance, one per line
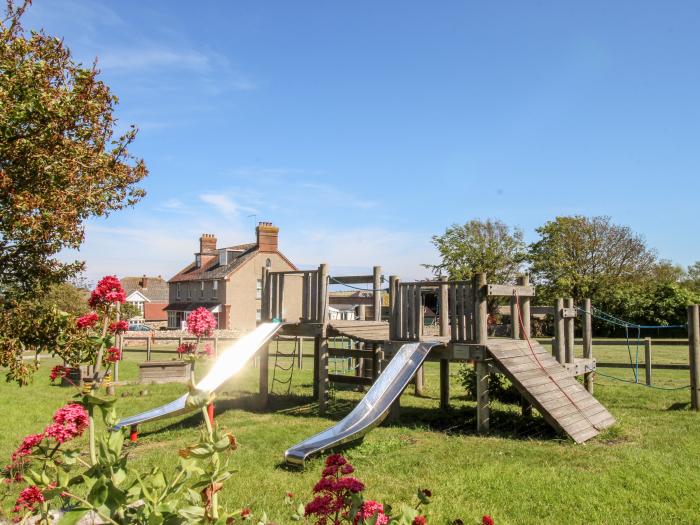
(95, 385)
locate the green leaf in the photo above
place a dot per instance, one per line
(99, 492)
(73, 516)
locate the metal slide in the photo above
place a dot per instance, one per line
(372, 409)
(227, 365)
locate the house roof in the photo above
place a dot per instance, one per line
(155, 312)
(156, 289)
(212, 269)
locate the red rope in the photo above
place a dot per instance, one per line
(529, 344)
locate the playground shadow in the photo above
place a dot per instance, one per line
(681, 405)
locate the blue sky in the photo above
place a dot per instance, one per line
(362, 128)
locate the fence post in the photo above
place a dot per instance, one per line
(588, 343)
(264, 354)
(148, 349)
(694, 355)
(514, 318)
(322, 340)
(559, 331)
(377, 292)
(393, 303)
(523, 332)
(445, 332)
(647, 359)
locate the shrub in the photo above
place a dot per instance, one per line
(500, 388)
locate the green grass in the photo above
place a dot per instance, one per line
(643, 470)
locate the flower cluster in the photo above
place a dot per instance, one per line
(369, 510)
(29, 498)
(27, 446)
(201, 322)
(69, 422)
(186, 348)
(118, 327)
(58, 372)
(333, 492)
(113, 355)
(108, 291)
(87, 321)
(487, 520)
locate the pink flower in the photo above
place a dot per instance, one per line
(108, 291)
(28, 499)
(87, 321)
(487, 520)
(113, 355)
(27, 446)
(69, 422)
(369, 509)
(419, 520)
(208, 350)
(118, 327)
(58, 372)
(201, 322)
(332, 493)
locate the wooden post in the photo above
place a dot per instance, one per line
(559, 332)
(393, 307)
(588, 342)
(264, 354)
(694, 355)
(148, 348)
(514, 318)
(316, 367)
(376, 351)
(300, 361)
(481, 312)
(418, 323)
(444, 331)
(647, 360)
(444, 383)
(483, 403)
(483, 408)
(420, 378)
(569, 334)
(323, 293)
(377, 292)
(323, 382)
(526, 332)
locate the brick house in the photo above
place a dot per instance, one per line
(150, 296)
(228, 281)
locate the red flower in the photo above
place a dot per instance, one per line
(58, 372)
(28, 499)
(208, 350)
(246, 513)
(87, 321)
(333, 494)
(113, 355)
(108, 291)
(201, 322)
(27, 446)
(186, 348)
(419, 520)
(118, 327)
(487, 520)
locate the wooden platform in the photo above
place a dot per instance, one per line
(365, 331)
(549, 387)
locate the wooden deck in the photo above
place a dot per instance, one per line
(365, 331)
(549, 387)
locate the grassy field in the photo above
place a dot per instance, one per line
(643, 470)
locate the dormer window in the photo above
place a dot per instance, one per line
(198, 260)
(222, 258)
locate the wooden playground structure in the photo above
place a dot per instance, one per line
(545, 380)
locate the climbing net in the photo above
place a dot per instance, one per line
(633, 339)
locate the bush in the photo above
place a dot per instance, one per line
(500, 388)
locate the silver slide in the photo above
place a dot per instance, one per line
(229, 363)
(372, 409)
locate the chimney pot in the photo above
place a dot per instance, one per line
(207, 243)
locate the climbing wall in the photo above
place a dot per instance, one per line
(549, 387)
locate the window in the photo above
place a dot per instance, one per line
(258, 289)
(258, 315)
(268, 264)
(177, 291)
(172, 320)
(201, 288)
(189, 290)
(198, 260)
(214, 289)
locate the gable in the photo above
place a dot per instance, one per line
(137, 297)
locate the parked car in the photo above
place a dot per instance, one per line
(139, 328)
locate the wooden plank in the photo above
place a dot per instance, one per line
(480, 309)
(459, 295)
(352, 279)
(505, 290)
(569, 312)
(352, 380)
(569, 332)
(350, 300)
(454, 329)
(349, 352)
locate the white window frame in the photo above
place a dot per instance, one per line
(198, 260)
(177, 291)
(214, 289)
(189, 290)
(201, 288)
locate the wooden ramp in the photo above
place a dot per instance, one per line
(549, 387)
(366, 331)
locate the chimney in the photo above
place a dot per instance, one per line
(267, 235)
(207, 244)
(144, 281)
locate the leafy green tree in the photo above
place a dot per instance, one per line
(692, 277)
(583, 257)
(480, 246)
(60, 162)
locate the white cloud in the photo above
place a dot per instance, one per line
(134, 59)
